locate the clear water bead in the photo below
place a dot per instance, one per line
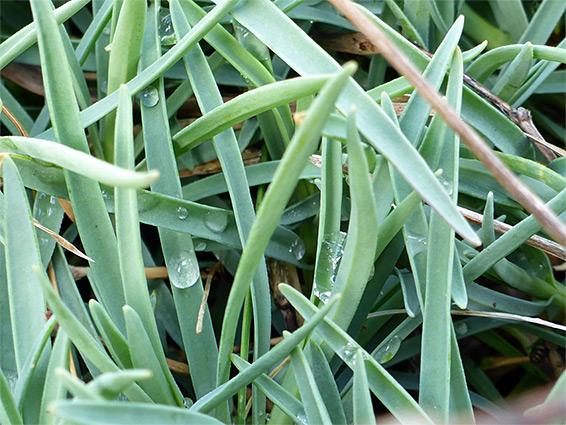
(166, 31)
(298, 249)
(183, 270)
(217, 221)
(388, 350)
(150, 97)
(182, 213)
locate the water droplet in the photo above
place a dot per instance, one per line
(331, 251)
(153, 300)
(348, 352)
(183, 270)
(461, 328)
(297, 248)
(187, 402)
(260, 413)
(107, 196)
(302, 419)
(200, 246)
(182, 213)
(53, 200)
(317, 183)
(150, 97)
(42, 240)
(418, 244)
(217, 221)
(166, 31)
(448, 187)
(388, 350)
(11, 378)
(371, 272)
(247, 80)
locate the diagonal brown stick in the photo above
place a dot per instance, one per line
(531, 202)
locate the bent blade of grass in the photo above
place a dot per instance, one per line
(271, 26)
(296, 156)
(77, 161)
(361, 242)
(93, 222)
(395, 398)
(515, 75)
(27, 304)
(264, 363)
(246, 106)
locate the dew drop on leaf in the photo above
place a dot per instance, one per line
(216, 221)
(183, 270)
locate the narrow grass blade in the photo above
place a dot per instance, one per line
(326, 383)
(201, 349)
(95, 228)
(8, 410)
(435, 385)
(143, 358)
(100, 413)
(244, 106)
(544, 21)
(329, 219)
(302, 145)
(314, 406)
(129, 247)
(115, 342)
(54, 389)
(27, 306)
(361, 242)
(226, 147)
(363, 408)
(125, 51)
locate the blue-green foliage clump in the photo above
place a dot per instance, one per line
(318, 246)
